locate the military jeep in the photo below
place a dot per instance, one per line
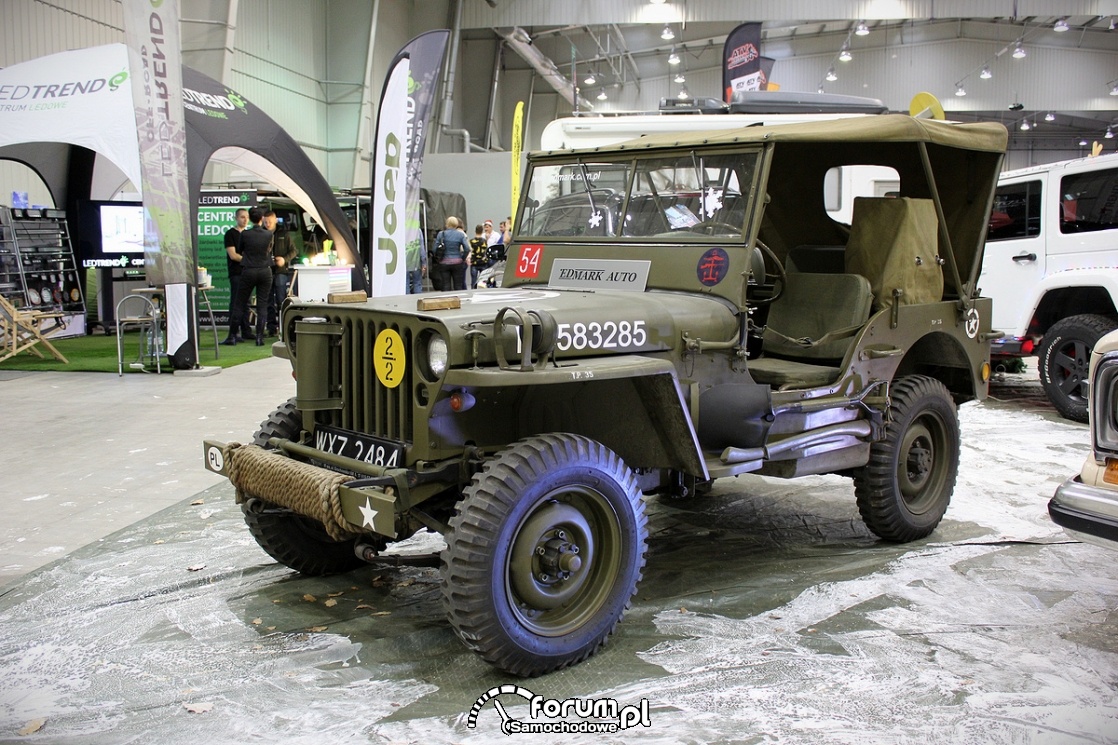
(673, 311)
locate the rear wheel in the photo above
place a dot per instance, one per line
(1065, 357)
(291, 539)
(544, 554)
(905, 488)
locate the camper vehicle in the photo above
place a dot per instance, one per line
(1086, 506)
(674, 310)
(1051, 268)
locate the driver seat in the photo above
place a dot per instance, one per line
(810, 328)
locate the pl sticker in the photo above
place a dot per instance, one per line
(713, 266)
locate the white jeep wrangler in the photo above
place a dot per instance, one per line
(1051, 268)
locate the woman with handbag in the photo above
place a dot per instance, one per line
(451, 249)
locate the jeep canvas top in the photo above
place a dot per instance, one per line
(675, 309)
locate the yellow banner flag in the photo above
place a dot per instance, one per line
(517, 147)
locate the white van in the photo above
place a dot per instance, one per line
(1051, 268)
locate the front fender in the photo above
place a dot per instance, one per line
(632, 404)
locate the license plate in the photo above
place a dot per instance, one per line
(375, 451)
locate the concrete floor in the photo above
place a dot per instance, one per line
(768, 613)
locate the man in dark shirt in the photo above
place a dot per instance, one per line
(256, 274)
(233, 263)
(285, 252)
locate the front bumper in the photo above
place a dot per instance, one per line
(346, 505)
(1089, 513)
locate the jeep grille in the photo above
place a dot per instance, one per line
(365, 404)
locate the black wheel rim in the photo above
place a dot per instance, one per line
(922, 462)
(1069, 369)
(564, 561)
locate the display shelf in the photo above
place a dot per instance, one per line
(37, 265)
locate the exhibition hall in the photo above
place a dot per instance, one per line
(446, 371)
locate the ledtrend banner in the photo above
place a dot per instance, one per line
(398, 144)
(741, 60)
(151, 29)
(151, 32)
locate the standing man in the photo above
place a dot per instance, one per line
(256, 274)
(233, 264)
(488, 233)
(284, 252)
(479, 255)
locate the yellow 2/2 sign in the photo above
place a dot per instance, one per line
(389, 358)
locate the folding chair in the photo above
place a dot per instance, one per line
(22, 330)
(139, 312)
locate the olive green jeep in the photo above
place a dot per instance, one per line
(674, 310)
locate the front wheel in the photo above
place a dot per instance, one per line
(905, 488)
(1065, 358)
(544, 553)
(296, 541)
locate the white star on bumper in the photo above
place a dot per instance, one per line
(368, 514)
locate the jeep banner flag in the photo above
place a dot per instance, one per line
(741, 60)
(405, 109)
(387, 262)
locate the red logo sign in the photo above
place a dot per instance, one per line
(712, 267)
(528, 265)
(742, 55)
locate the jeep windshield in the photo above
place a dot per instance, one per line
(692, 197)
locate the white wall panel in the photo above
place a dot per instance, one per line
(18, 177)
(30, 29)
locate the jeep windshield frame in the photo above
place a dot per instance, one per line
(687, 196)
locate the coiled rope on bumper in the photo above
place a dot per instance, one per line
(308, 490)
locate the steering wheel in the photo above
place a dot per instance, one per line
(780, 273)
(712, 227)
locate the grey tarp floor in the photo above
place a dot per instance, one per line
(768, 613)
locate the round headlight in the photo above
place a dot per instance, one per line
(436, 355)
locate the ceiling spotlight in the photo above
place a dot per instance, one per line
(1083, 143)
(602, 94)
(960, 91)
(844, 55)
(667, 34)
(862, 29)
(1114, 90)
(682, 95)
(1109, 134)
(1025, 126)
(590, 79)
(673, 58)
(820, 90)
(1061, 26)
(1049, 117)
(680, 78)
(985, 74)
(1019, 51)
(831, 77)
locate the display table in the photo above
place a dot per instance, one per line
(314, 283)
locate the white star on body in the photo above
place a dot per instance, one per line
(368, 514)
(596, 219)
(712, 202)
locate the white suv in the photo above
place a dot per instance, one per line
(1051, 268)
